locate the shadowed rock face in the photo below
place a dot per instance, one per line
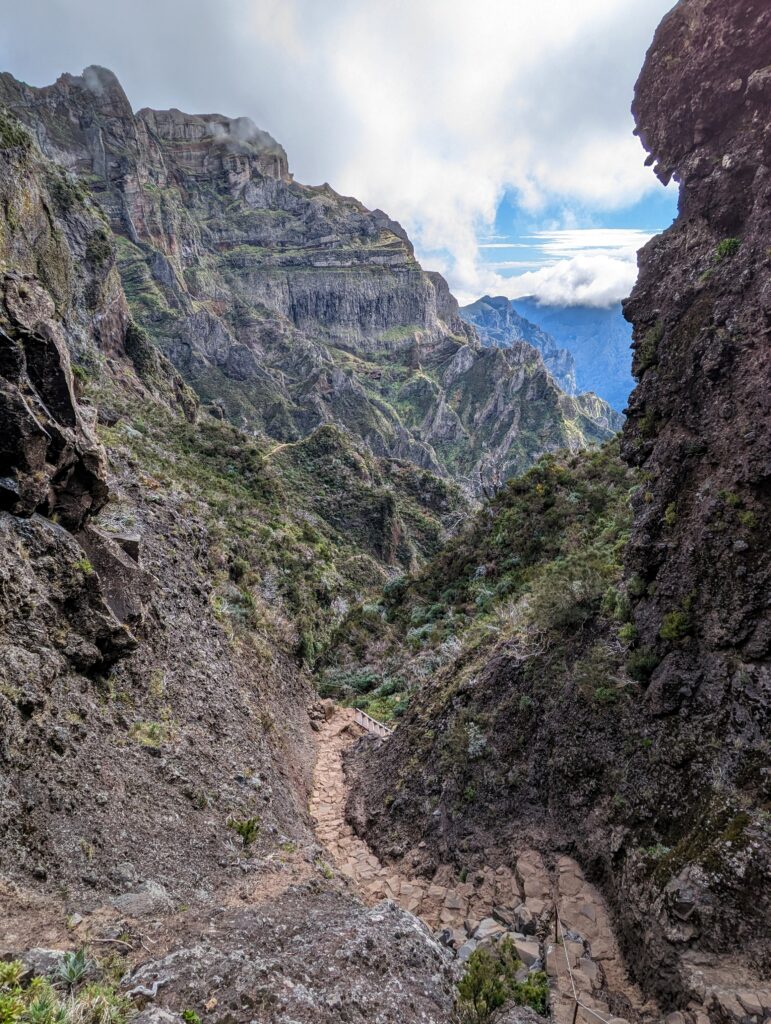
(50, 460)
(699, 419)
(288, 306)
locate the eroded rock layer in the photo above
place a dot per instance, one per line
(288, 306)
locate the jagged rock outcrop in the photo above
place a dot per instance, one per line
(288, 306)
(498, 323)
(700, 429)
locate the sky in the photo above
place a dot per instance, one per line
(497, 132)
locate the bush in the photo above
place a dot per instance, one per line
(247, 828)
(727, 248)
(490, 981)
(675, 626)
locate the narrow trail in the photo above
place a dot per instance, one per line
(557, 921)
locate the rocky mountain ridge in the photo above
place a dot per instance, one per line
(598, 338)
(498, 323)
(287, 306)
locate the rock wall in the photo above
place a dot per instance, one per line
(288, 306)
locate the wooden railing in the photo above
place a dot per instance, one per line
(371, 724)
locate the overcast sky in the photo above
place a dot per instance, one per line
(497, 131)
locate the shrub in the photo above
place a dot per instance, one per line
(641, 664)
(727, 248)
(647, 352)
(247, 828)
(491, 980)
(675, 626)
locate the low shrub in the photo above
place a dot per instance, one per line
(490, 981)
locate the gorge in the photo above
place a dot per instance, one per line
(260, 479)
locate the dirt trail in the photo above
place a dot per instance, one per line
(530, 904)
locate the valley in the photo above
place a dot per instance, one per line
(262, 478)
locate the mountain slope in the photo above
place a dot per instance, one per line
(597, 339)
(590, 659)
(287, 306)
(163, 576)
(498, 323)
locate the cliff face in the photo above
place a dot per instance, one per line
(607, 696)
(699, 419)
(288, 306)
(498, 323)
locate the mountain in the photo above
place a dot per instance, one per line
(287, 306)
(498, 324)
(599, 341)
(165, 578)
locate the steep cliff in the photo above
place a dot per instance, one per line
(590, 659)
(164, 578)
(288, 306)
(498, 323)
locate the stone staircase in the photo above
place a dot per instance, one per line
(560, 925)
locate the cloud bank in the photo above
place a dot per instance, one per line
(431, 111)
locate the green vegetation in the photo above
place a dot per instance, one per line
(150, 734)
(73, 967)
(490, 981)
(727, 248)
(38, 1001)
(296, 533)
(13, 135)
(247, 828)
(538, 566)
(647, 351)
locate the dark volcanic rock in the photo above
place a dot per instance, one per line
(664, 792)
(700, 419)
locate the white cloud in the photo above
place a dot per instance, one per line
(576, 267)
(428, 110)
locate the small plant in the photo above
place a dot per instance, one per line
(491, 980)
(323, 868)
(190, 1017)
(727, 248)
(84, 566)
(73, 968)
(647, 353)
(641, 664)
(675, 626)
(149, 734)
(10, 974)
(247, 828)
(670, 514)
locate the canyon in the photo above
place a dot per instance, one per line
(260, 480)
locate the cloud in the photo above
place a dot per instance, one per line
(431, 111)
(573, 267)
